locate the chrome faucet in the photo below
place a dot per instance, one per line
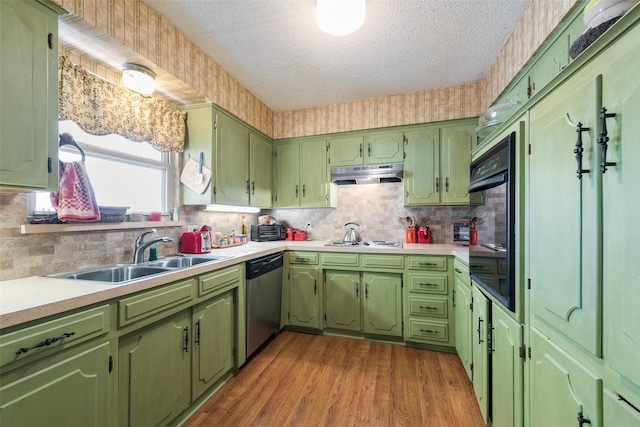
(141, 245)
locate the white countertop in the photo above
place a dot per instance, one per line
(32, 298)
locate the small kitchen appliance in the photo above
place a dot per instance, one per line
(267, 233)
(424, 235)
(196, 242)
(461, 232)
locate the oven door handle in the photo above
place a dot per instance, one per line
(487, 183)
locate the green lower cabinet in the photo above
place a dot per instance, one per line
(304, 297)
(155, 372)
(480, 351)
(382, 304)
(464, 320)
(561, 388)
(213, 342)
(617, 412)
(507, 374)
(68, 389)
(342, 300)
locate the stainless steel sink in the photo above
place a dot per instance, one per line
(114, 274)
(125, 272)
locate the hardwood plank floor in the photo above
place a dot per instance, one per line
(312, 380)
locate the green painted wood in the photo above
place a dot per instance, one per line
(384, 147)
(232, 161)
(304, 291)
(314, 179)
(287, 185)
(428, 306)
(616, 412)
(621, 233)
(431, 263)
(421, 179)
(564, 236)
(428, 331)
(213, 342)
(342, 299)
(480, 351)
(464, 320)
(155, 372)
(346, 150)
(337, 259)
(200, 138)
(69, 389)
(212, 282)
(382, 261)
(507, 384)
(455, 152)
(561, 387)
(302, 257)
(260, 171)
(28, 82)
(143, 305)
(382, 303)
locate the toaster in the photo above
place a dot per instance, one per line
(267, 233)
(196, 242)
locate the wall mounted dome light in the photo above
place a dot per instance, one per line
(340, 17)
(138, 78)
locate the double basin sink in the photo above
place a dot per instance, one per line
(120, 273)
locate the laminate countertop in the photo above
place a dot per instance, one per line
(33, 298)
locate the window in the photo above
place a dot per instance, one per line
(122, 172)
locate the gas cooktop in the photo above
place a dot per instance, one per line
(370, 243)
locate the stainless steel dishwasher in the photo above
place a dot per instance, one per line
(264, 292)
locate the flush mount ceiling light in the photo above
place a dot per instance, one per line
(340, 17)
(138, 78)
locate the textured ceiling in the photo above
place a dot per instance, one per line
(276, 50)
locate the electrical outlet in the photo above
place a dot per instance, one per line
(308, 225)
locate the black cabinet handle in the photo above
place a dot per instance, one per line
(45, 343)
(428, 284)
(315, 286)
(360, 150)
(253, 187)
(604, 139)
(582, 420)
(480, 341)
(186, 339)
(437, 184)
(247, 189)
(296, 190)
(578, 150)
(366, 290)
(197, 341)
(427, 307)
(357, 289)
(457, 270)
(446, 184)
(304, 190)
(453, 298)
(428, 331)
(369, 149)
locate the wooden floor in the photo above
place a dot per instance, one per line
(311, 380)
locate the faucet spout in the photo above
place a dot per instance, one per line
(141, 245)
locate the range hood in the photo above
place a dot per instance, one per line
(367, 174)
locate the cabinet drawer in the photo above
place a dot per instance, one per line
(428, 330)
(484, 266)
(59, 333)
(149, 303)
(461, 269)
(382, 261)
(432, 307)
(427, 263)
(211, 282)
(296, 257)
(429, 283)
(346, 260)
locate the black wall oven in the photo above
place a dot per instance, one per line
(492, 213)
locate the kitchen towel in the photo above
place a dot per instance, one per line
(188, 176)
(75, 200)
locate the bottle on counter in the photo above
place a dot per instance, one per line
(244, 224)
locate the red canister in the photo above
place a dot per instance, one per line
(424, 235)
(288, 234)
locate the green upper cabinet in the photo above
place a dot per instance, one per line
(563, 212)
(437, 161)
(260, 170)
(621, 200)
(239, 158)
(371, 148)
(28, 95)
(301, 174)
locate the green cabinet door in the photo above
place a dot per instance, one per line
(342, 300)
(382, 303)
(456, 145)
(384, 148)
(561, 388)
(68, 389)
(155, 372)
(563, 233)
(260, 171)
(480, 351)
(463, 321)
(213, 342)
(232, 161)
(200, 139)
(314, 182)
(304, 289)
(617, 412)
(422, 166)
(287, 173)
(621, 200)
(28, 95)
(346, 151)
(507, 377)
